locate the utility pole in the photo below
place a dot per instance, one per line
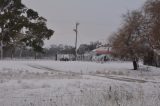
(1, 49)
(1, 45)
(1, 42)
(76, 30)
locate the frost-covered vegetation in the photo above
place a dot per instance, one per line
(51, 83)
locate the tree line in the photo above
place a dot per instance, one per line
(49, 52)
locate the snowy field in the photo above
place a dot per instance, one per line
(51, 83)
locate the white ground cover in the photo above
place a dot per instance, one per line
(51, 83)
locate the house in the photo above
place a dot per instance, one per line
(102, 54)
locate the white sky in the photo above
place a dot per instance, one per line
(97, 18)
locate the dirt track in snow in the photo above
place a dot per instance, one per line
(118, 78)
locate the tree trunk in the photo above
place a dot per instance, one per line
(135, 65)
(20, 54)
(35, 56)
(12, 56)
(1, 49)
(12, 53)
(56, 56)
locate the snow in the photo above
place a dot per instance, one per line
(57, 83)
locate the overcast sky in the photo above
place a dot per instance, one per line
(97, 18)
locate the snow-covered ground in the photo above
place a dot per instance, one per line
(51, 83)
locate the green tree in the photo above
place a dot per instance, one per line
(20, 26)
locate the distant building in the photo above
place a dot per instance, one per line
(102, 54)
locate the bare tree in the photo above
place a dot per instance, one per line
(127, 42)
(152, 18)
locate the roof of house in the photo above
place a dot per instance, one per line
(102, 50)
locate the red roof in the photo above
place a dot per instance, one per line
(103, 52)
